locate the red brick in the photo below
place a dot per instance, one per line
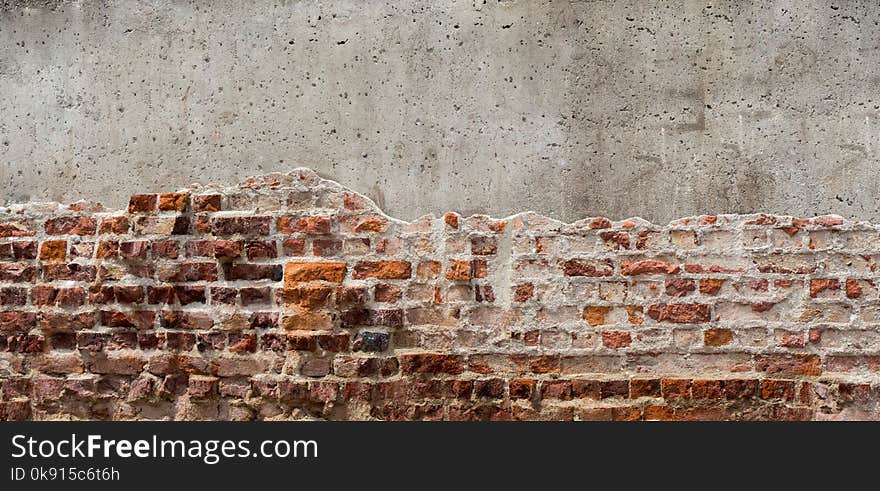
(13, 296)
(645, 388)
(789, 364)
(361, 224)
(459, 270)
(484, 245)
(134, 249)
(648, 266)
(778, 389)
(522, 388)
(107, 249)
(326, 248)
(16, 229)
(616, 240)
(386, 293)
(711, 286)
(293, 247)
(817, 286)
(241, 225)
(600, 223)
(117, 365)
(587, 267)
(676, 388)
(545, 364)
(165, 249)
(71, 226)
(227, 249)
(298, 272)
(433, 363)
(616, 339)
(707, 389)
(853, 289)
(173, 201)
(679, 313)
(53, 250)
(556, 389)
(740, 389)
(595, 314)
(254, 296)
(142, 203)
(206, 203)
(252, 272)
(680, 287)
(310, 225)
(114, 225)
(17, 272)
(614, 388)
(183, 272)
(186, 320)
(451, 220)
(187, 294)
(69, 272)
(384, 270)
(524, 292)
(71, 297)
(261, 249)
(717, 337)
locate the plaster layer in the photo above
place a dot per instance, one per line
(568, 108)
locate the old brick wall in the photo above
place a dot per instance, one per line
(292, 297)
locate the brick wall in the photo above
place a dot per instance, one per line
(292, 297)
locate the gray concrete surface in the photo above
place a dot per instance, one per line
(568, 108)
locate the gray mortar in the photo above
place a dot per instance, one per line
(571, 109)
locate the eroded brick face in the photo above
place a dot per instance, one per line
(291, 297)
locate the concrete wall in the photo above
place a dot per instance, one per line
(572, 109)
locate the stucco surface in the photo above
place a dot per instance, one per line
(570, 109)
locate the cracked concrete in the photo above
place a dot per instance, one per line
(571, 109)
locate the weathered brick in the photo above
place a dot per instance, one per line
(16, 229)
(71, 226)
(789, 364)
(227, 249)
(136, 249)
(648, 266)
(173, 201)
(717, 337)
(142, 203)
(484, 245)
(298, 272)
(587, 267)
(53, 250)
(645, 388)
(261, 249)
(431, 363)
(679, 313)
(206, 202)
(117, 225)
(309, 225)
(68, 272)
(252, 272)
(165, 249)
(616, 339)
(384, 270)
(241, 225)
(818, 286)
(17, 272)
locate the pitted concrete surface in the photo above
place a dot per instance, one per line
(571, 109)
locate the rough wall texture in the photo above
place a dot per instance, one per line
(293, 297)
(657, 109)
